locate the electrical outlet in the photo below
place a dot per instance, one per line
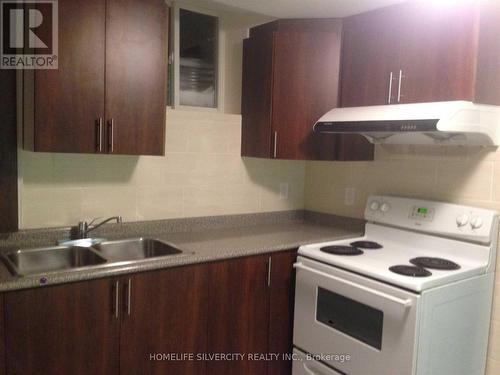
(349, 196)
(283, 191)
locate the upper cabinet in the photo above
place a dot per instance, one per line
(422, 52)
(290, 79)
(108, 94)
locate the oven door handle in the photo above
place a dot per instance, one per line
(311, 371)
(402, 303)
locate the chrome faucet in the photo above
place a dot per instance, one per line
(85, 228)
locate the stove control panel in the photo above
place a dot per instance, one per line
(451, 220)
(422, 213)
(462, 220)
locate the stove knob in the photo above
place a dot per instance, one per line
(476, 222)
(462, 220)
(374, 206)
(385, 207)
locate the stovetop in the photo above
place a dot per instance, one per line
(419, 257)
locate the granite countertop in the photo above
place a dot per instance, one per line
(201, 240)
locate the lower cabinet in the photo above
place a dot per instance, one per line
(151, 322)
(165, 312)
(281, 304)
(62, 330)
(239, 314)
(2, 339)
(251, 313)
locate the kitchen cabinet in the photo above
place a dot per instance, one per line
(167, 313)
(2, 338)
(136, 76)
(238, 314)
(9, 219)
(108, 94)
(251, 312)
(369, 55)
(114, 325)
(110, 326)
(64, 106)
(61, 330)
(418, 52)
(290, 79)
(281, 310)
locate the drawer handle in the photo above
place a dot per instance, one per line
(116, 291)
(128, 301)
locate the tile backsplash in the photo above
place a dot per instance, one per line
(201, 174)
(464, 175)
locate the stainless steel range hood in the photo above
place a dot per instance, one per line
(446, 123)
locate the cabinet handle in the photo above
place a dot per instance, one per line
(116, 291)
(390, 88)
(399, 84)
(99, 135)
(111, 143)
(128, 301)
(269, 272)
(275, 150)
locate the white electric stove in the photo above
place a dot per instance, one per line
(412, 296)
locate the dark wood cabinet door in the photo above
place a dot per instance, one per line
(136, 76)
(238, 314)
(61, 330)
(168, 314)
(281, 311)
(69, 101)
(370, 52)
(8, 153)
(256, 96)
(305, 87)
(2, 338)
(438, 52)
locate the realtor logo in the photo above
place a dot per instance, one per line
(28, 37)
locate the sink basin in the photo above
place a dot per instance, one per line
(135, 249)
(49, 259)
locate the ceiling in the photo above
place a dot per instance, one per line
(308, 8)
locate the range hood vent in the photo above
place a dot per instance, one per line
(446, 123)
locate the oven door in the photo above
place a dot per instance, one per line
(304, 366)
(339, 314)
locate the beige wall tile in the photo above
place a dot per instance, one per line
(495, 312)
(109, 201)
(465, 179)
(159, 202)
(36, 169)
(204, 200)
(50, 207)
(492, 367)
(494, 345)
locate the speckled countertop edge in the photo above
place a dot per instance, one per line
(232, 236)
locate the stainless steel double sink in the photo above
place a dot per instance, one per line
(27, 262)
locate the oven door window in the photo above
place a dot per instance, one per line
(355, 319)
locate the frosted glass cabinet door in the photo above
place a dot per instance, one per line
(198, 59)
